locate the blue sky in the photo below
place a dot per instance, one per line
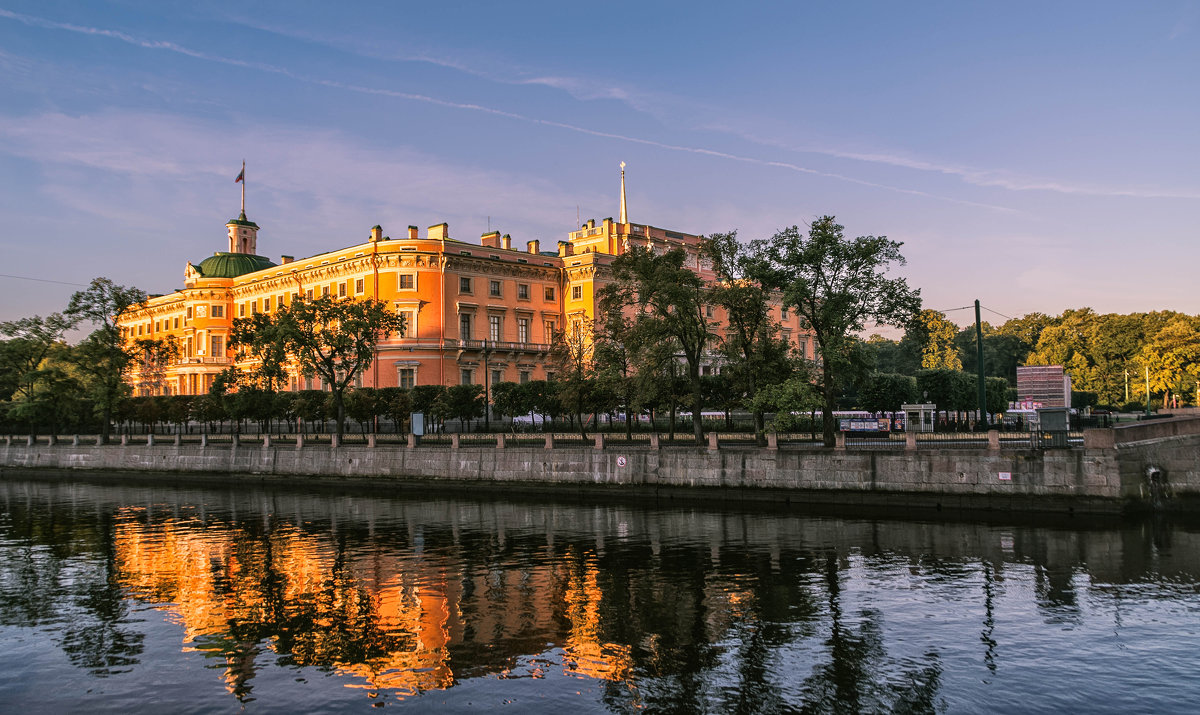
(1037, 156)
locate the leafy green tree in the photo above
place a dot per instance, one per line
(997, 389)
(837, 286)
(261, 340)
(332, 339)
(886, 392)
(935, 334)
(754, 352)
(572, 358)
(508, 399)
(665, 300)
(787, 400)
(104, 358)
(362, 406)
(395, 403)
(462, 403)
(154, 357)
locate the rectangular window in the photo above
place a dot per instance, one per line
(494, 327)
(802, 347)
(523, 291)
(576, 292)
(464, 285)
(308, 294)
(358, 285)
(241, 310)
(464, 326)
(253, 307)
(408, 377)
(267, 304)
(189, 313)
(494, 289)
(218, 346)
(324, 291)
(341, 290)
(189, 348)
(139, 330)
(783, 313)
(467, 377)
(156, 326)
(550, 294)
(408, 281)
(708, 311)
(278, 301)
(218, 311)
(550, 330)
(497, 376)
(410, 323)
(522, 330)
(524, 376)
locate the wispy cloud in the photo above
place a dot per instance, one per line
(660, 106)
(467, 106)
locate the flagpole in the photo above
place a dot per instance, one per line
(243, 187)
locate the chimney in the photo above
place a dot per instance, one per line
(506, 242)
(491, 240)
(376, 233)
(591, 223)
(284, 260)
(439, 232)
(534, 246)
(412, 232)
(564, 249)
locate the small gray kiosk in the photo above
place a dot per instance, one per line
(1053, 425)
(919, 418)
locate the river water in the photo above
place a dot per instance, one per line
(125, 597)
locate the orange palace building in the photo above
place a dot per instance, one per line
(478, 313)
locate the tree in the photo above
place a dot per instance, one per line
(666, 303)
(754, 352)
(261, 339)
(935, 334)
(332, 339)
(25, 376)
(104, 358)
(886, 392)
(462, 403)
(571, 356)
(837, 286)
(154, 357)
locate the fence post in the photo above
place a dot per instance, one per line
(50, 440)
(910, 440)
(599, 440)
(334, 441)
(713, 444)
(124, 439)
(150, 440)
(412, 441)
(839, 441)
(236, 439)
(178, 439)
(654, 442)
(75, 441)
(299, 440)
(266, 441)
(203, 440)
(454, 440)
(993, 440)
(371, 440)
(550, 441)
(772, 440)
(501, 443)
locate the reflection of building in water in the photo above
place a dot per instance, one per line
(388, 622)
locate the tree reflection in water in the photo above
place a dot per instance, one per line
(647, 609)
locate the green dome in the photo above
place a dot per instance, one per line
(232, 265)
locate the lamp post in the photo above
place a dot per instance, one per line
(487, 401)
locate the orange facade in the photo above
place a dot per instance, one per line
(482, 312)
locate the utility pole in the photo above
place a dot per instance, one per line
(983, 414)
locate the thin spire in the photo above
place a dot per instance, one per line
(624, 212)
(242, 181)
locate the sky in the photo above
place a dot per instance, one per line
(1035, 156)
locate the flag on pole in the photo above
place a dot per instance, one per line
(241, 175)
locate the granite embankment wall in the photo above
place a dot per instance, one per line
(1108, 474)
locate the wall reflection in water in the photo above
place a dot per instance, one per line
(672, 609)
